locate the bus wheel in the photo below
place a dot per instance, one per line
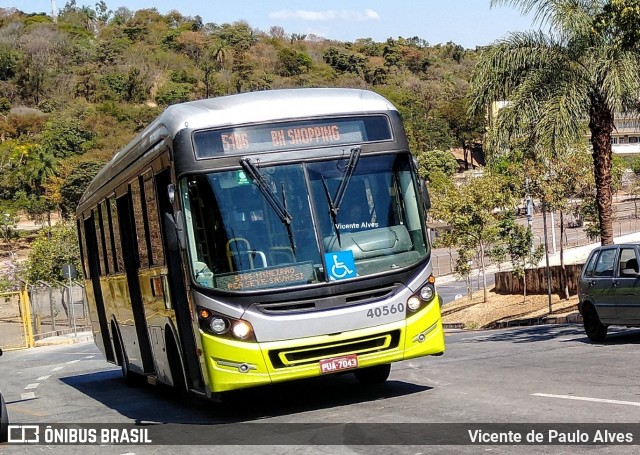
(4, 421)
(130, 378)
(373, 375)
(175, 366)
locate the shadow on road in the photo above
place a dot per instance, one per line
(547, 332)
(156, 404)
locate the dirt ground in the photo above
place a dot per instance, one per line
(474, 314)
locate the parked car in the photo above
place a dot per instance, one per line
(609, 289)
(4, 418)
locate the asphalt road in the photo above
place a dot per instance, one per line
(452, 290)
(531, 375)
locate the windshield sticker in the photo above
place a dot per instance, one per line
(340, 265)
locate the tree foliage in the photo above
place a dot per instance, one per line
(53, 248)
(436, 161)
(553, 81)
(474, 210)
(83, 86)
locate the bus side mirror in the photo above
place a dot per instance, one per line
(425, 195)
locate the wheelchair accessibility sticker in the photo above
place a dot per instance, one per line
(340, 265)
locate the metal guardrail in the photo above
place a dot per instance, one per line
(58, 309)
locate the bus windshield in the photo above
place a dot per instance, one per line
(271, 226)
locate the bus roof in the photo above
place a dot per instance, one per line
(244, 108)
(271, 105)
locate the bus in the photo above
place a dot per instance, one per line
(261, 237)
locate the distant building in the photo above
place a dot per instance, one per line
(625, 138)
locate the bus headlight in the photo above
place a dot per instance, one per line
(242, 329)
(413, 303)
(425, 296)
(427, 292)
(218, 325)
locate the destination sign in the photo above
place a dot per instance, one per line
(266, 278)
(291, 136)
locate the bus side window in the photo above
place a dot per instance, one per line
(102, 250)
(115, 231)
(83, 250)
(140, 218)
(105, 221)
(155, 236)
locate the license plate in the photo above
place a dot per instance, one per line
(347, 362)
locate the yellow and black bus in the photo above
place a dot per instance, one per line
(258, 238)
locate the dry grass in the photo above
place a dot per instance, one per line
(475, 314)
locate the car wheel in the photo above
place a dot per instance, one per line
(373, 375)
(595, 330)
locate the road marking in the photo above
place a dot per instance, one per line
(72, 361)
(90, 357)
(58, 368)
(595, 400)
(32, 386)
(27, 396)
(43, 378)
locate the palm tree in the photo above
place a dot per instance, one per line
(578, 72)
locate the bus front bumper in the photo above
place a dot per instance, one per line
(232, 364)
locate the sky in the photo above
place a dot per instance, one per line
(469, 23)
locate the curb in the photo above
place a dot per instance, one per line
(571, 318)
(81, 337)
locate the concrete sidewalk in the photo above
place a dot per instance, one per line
(80, 337)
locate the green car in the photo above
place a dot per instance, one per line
(609, 289)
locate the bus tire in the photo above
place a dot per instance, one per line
(130, 378)
(4, 421)
(175, 364)
(377, 374)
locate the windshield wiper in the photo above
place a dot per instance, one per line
(279, 207)
(336, 201)
(332, 210)
(346, 177)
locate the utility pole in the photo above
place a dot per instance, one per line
(54, 11)
(529, 210)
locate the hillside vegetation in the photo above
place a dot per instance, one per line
(73, 91)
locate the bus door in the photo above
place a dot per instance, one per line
(94, 272)
(177, 288)
(132, 267)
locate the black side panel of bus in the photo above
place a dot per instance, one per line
(94, 271)
(131, 265)
(177, 286)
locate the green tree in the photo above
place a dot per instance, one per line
(467, 130)
(52, 249)
(292, 62)
(73, 187)
(518, 246)
(173, 92)
(555, 81)
(436, 160)
(474, 210)
(64, 137)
